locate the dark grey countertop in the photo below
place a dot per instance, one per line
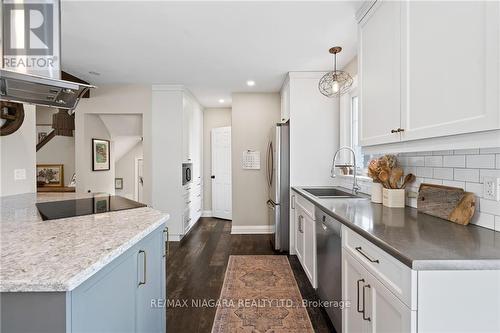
(420, 241)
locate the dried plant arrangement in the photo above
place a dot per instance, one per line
(387, 171)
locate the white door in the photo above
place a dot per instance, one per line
(139, 181)
(221, 173)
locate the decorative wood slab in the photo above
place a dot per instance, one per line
(449, 203)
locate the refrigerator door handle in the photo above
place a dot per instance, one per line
(267, 164)
(271, 167)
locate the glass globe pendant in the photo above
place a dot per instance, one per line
(336, 83)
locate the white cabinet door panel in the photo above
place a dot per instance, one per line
(380, 74)
(450, 85)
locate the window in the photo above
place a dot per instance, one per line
(349, 129)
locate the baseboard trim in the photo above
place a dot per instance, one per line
(251, 229)
(206, 213)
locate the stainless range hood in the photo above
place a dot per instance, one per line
(22, 82)
(39, 90)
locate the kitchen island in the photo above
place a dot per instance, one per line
(81, 274)
(401, 270)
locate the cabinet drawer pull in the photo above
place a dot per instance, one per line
(293, 201)
(360, 250)
(188, 202)
(394, 131)
(301, 219)
(167, 244)
(364, 310)
(357, 296)
(401, 129)
(144, 269)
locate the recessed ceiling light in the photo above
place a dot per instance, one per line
(221, 101)
(250, 83)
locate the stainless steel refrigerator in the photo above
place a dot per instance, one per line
(278, 181)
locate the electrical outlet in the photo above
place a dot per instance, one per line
(19, 174)
(491, 189)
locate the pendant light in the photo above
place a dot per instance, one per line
(336, 83)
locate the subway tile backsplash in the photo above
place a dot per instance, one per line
(464, 168)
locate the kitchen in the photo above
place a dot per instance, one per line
(339, 166)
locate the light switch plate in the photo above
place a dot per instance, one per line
(19, 174)
(491, 189)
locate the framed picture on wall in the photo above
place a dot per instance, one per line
(100, 155)
(118, 183)
(50, 175)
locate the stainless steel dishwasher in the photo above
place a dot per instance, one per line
(329, 265)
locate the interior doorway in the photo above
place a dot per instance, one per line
(221, 173)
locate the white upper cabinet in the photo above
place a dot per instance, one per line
(428, 69)
(187, 130)
(380, 68)
(285, 101)
(451, 61)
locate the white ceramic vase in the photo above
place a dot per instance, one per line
(377, 192)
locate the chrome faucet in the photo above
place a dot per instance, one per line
(355, 187)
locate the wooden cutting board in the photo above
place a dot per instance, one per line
(449, 203)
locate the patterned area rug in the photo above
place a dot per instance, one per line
(260, 295)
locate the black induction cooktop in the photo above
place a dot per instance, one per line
(77, 207)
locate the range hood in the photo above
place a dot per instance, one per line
(40, 90)
(31, 58)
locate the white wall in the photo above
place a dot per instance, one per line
(88, 180)
(107, 99)
(18, 151)
(59, 150)
(253, 115)
(125, 168)
(212, 118)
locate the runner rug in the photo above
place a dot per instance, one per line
(260, 295)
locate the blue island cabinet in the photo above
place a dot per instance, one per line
(122, 296)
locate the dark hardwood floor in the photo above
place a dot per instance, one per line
(196, 268)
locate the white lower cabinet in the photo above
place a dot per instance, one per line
(299, 233)
(305, 238)
(373, 308)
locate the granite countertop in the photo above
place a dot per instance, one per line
(58, 255)
(420, 241)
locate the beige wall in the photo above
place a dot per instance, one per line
(253, 115)
(109, 99)
(212, 118)
(125, 168)
(18, 151)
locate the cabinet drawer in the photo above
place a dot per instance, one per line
(395, 275)
(306, 205)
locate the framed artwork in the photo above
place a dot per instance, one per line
(101, 204)
(50, 175)
(118, 183)
(100, 155)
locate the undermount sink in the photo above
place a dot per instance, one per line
(329, 193)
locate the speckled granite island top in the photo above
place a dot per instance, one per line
(420, 241)
(58, 255)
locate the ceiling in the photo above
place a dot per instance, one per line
(212, 48)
